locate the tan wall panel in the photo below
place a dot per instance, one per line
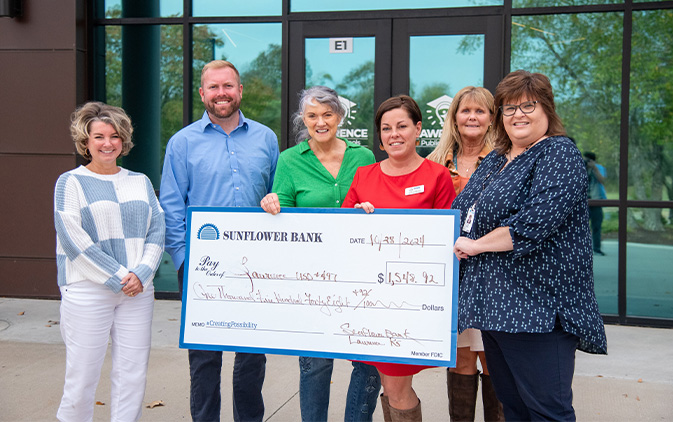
(27, 228)
(45, 24)
(38, 91)
(34, 278)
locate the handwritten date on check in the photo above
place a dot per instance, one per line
(322, 282)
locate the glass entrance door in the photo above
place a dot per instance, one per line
(436, 57)
(348, 57)
(369, 61)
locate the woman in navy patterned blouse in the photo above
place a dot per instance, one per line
(526, 272)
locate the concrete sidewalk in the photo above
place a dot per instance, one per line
(633, 383)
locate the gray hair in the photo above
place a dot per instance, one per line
(322, 95)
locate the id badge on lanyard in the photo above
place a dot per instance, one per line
(469, 219)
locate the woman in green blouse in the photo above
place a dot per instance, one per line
(317, 173)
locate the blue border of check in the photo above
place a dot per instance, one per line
(414, 361)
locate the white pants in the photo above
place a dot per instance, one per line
(91, 314)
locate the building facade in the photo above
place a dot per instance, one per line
(610, 63)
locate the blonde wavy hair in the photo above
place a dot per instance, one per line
(450, 140)
(94, 111)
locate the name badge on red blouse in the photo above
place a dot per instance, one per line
(414, 190)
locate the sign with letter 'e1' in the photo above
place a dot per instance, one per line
(341, 45)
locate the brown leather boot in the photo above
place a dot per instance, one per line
(492, 407)
(409, 415)
(462, 396)
(385, 407)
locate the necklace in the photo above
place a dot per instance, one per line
(509, 154)
(467, 167)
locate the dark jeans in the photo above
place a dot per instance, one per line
(596, 222)
(363, 393)
(205, 369)
(533, 373)
(315, 377)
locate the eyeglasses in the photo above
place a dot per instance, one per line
(526, 108)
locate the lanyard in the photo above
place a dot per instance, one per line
(469, 219)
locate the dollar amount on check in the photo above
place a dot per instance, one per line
(324, 283)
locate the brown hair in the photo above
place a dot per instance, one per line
(450, 139)
(81, 119)
(404, 102)
(219, 64)
(535, 87)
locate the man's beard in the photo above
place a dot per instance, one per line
(226, 112)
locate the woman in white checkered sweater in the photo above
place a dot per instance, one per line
(110, 238)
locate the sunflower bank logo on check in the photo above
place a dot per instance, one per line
(208, 232)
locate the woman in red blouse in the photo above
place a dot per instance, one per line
(403, 180)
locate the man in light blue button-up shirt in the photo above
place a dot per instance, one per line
(223, 160)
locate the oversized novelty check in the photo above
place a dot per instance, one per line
(322, 282)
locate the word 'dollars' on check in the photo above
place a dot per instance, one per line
(322, 282)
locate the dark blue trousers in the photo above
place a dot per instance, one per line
(205, 367)
(596, 223)
(533, 373)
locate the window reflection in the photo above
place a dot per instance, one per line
(170, 77)
(460, 64)
(153, 8)
(651, 101)
(170, 86)
(237, 8)
(581, 53)
(606, 263)
(113, 66)
(166, 278)
(345, 5)
(171, 83)
(351, 75)
(254, 48)
(649, 266)
(582, 56)
(556, 3)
